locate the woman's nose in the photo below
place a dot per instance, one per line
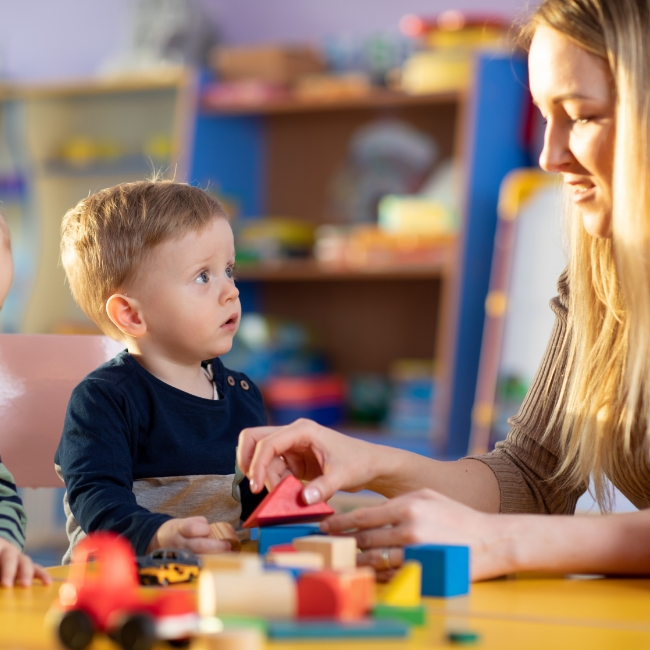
(556, 153)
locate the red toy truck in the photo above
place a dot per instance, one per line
(102, 595)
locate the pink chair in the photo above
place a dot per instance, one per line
(37, 375)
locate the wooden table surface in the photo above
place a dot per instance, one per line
(525, 613)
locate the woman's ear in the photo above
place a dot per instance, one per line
(126, 315)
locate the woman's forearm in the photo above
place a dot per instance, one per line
(469, 481)
(610, 544)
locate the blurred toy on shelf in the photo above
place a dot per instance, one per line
(265, 347)
(451, 41)
(386, 156)
(81, 151)
(272, 239)
(413, 392)
(332, 87)
(103, 596)
(162, 34)
(367, 399)
(245, 92)
(278, 64)
(317, 397)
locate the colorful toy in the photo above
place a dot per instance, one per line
(285, 505)
(338, 552)
(105, 597)
(405, 588)
(410, 615)
(165, 565)
(245, 562)
(283, 534)
(343, 595)
(224, 531)
(371, 629)
(445, 569)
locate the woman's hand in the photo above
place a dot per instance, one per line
(427, 517)
(330, 460)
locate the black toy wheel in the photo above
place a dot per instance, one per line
(179, 643)
(76, 630)
(136, 632)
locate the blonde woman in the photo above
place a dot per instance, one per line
(587, 412)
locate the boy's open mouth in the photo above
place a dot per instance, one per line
(232, 321)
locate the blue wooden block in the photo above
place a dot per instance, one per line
(367, 629)
(283, 534)
(445, 569)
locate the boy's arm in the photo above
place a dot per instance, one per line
(13, 519)
(95, 456)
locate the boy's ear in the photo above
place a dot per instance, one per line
(125, 314)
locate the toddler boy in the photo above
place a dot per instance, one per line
(149, 440)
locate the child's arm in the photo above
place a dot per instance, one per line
(14, 566)
(95, 456)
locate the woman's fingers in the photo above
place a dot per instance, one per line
(383, 560)
(362, 518)
(248, 440)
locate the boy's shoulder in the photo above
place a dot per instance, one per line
(233, 377)
(114, 371)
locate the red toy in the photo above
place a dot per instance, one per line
(344, 596)
(102, 595)
(285, 506)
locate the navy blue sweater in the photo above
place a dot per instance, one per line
(125, 429)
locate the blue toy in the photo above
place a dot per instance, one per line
(283, 534)
(377, 629)
(445, 569)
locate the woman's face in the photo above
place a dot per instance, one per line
(574, 91)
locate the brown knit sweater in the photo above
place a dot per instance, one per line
(524, 464)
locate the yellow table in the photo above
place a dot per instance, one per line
(523, 614)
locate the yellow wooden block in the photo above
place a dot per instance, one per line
(405, 589)
(224, 531)
(338, 552)
(246, 562)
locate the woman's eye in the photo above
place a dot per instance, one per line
(203, 278)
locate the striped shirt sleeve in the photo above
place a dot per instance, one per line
(13, 519)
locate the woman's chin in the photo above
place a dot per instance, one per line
(597, 223)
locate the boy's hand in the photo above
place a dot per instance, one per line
(191, 533)
(18, 568)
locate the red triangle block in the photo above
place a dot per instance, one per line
(285, 506)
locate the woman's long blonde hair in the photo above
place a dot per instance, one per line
(605, 394)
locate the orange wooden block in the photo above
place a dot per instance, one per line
(224, 531)
(285, 505)
(344, 596)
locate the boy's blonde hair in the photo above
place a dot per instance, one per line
(106, 237)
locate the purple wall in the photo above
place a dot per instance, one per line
(50, 39)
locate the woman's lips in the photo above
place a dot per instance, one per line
(581, 192)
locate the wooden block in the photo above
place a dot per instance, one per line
(344, 596)
(234, 639)
(246, 562)
(445, 569)
(283, 534)
(297, 560)
(222, 530)
(369, 629)
(405, 587)
(285, 505)
(270, 594)
(339, 552)
(409, 615)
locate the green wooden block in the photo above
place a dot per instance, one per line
(231, 622)
(409, 615)
(463, 637)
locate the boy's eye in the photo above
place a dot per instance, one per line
(203, 278)
(230, 272)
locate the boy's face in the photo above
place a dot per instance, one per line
(187, 294)
(6, 269)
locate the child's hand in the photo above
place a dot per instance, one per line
(18, 568)
(191, 533)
